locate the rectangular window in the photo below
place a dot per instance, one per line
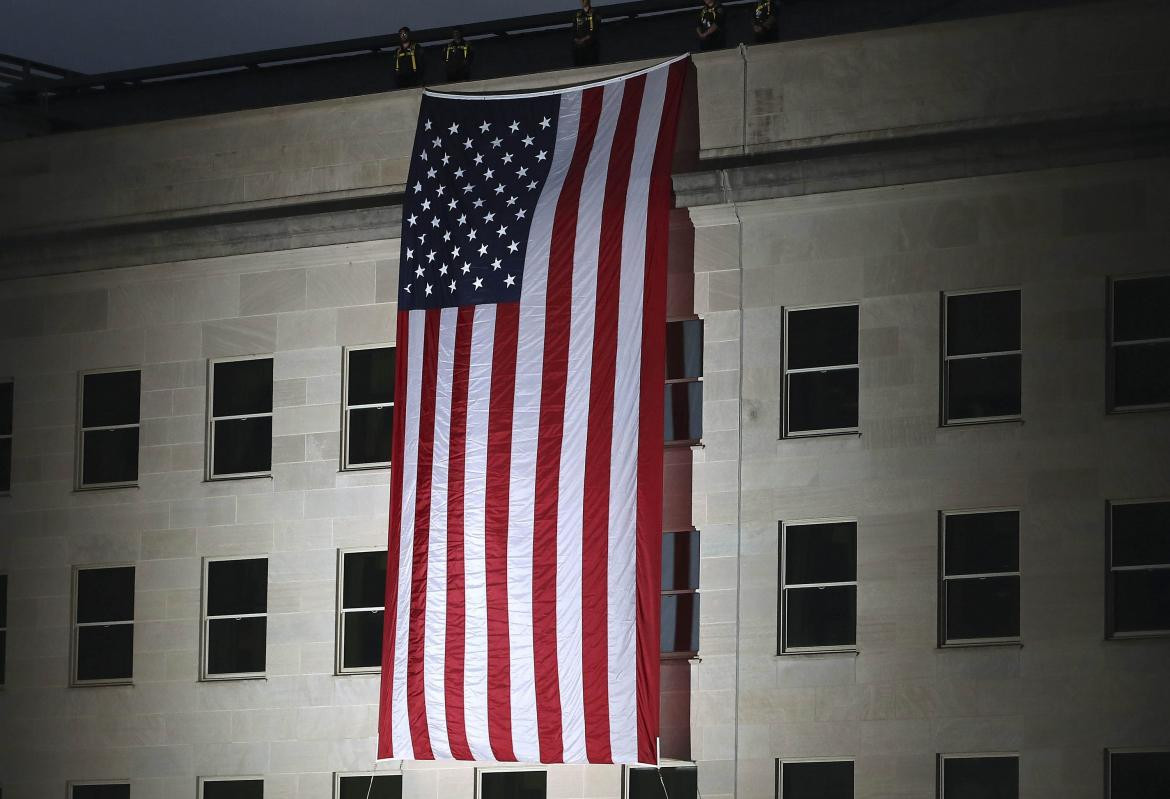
(979, 592)
(360, 608)
(1139, 774)
(368, 407)
(7, 388)
(239, 432)
(103, 625)
(818, 580)
(667, 782)
(231, 788)
(680, 593)
(235, 617)
(368, 786)
(512, 784)
(815, 779)
(982, 776)
(99, 790)
(107, 435)
(1139, 343)
(3, 626)
(683, 416)
(981, 356)
(821, 370)
(1138, 582)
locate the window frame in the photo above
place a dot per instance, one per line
(780, 761)
(339, 643)
(1111, 407)
(337, 775)
(209, 472)
(667, 381)
(494, 769)
(75, 627)
(1111, 633)
(783, 588)
(79, 483)
(945, 359)
(346, 408)
(958, 643)
(4, 630)
(205, 626)
(238, 778)
(945, 756)
(785, 372)
(10, 437)
(71, 784)
(664, 763)
(1110, 751)
(687, 654)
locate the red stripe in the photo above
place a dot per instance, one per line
(649, 568)
(499, 461)
(393, 542)
(558, 303)
(599, 441)
(456, 608)
(415, 695)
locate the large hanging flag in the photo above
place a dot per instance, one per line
(523, 567)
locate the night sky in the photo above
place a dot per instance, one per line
(105, 35)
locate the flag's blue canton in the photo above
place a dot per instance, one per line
(477, 169)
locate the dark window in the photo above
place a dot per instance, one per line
(981, 356)
(383, 786)
(818, 779)
(241, 418)
(6, 395)
(1139, 568)
(233, 789)
(980, 591)
(1139, 336)
(820, 370)
(683, 408)
(680, 597)
(363, 599)
(512, 785)
(369, 407)
(101, 791)
(1139, 775)
(103, 617)
(235, 617)
(984, 777)
(818, 578)
(108, 436)
(677, 782)
(3, 625)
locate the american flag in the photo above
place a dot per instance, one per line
(523, 567)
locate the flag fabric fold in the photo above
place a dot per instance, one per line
(524, 546)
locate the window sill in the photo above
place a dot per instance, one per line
(683, 442)
(1138, 636)
(359, 469)
(980, 422)
(103, 684)
(981, 645)
(1124, 410)
(104, 487)
(230, 478)
(819, 653)
(235, 678)
(358, 672)
(814, 434)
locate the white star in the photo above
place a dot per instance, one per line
(468, 189)
(434, 221)
(446, 235)
(478, 159)
(417, 187)
(428, 289)
(471, 234)
(484, 127)
(478, 283)
(488, 174)
(511, 201)
(427, 125)
(496, 142)
(419, 272)
(441, 190)
(466, 267)
(452, 286)
(436, 142)
(515, 126)
(467, 145)
(455, 252)
(483, 249)
(527, 141)
(478, 202)
(423, 155)
(509, 281)
(543, 154)
(451, 205)
(503, 229)
(446, 159)
(412, 219)
(520, 214)
(523, 173)
(407, 288)
(463, 219)
(499, 189)
(442, 269)
(507, 158)
(431, 172)
(431, 257)
(422, 238)
(513, 246)
(532, 185)
(495, 265)
(459, 172)
(489, 216)
(453, 129)
(426, 205)
(409, 253)
(544, 123)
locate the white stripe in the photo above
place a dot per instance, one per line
(623, 486)
(475, 676)
(435, 641)
(525, 429)
(400, 720)
(571, 495)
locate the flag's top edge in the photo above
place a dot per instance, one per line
(561, 90)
